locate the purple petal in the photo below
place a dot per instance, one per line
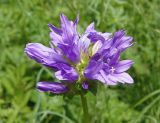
(94, 36)
(66, 73)
(90, 28)
(117, 36)
(69, 30)
(84, 42)
(124, 78)
(55, 38)
(120, 41)
(93, 68)
(70, 39)
(106, 35)
(91, 35)
(85, 85)
(113, 78)
(53, 87)
(125, 43)
(71, 51)
(76, 20)
(43, 54)
(100, 78)
(106, 46)
(107, 79)
(124, 65)
(113, 59)
(55, 29)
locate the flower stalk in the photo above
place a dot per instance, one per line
(85, 108)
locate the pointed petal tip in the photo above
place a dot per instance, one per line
(76, 20)
(122, 31)
(55, 29)
(62, 16)
(28, 45)
(50, 26)
(92, 25)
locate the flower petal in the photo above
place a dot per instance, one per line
(117, 36)
(70, 39)
(90, 28)
(95, 36)
(85, 85)
(92, 69)
(120, 41)
(55, 38)
(66, 73)
(96, 47)
(84, 42)
(113, 59)
(53, 87)
(107, 78)
(125, 43)
(42, 54)
(71, 51)
(104, 78)
(124, 65)
(76, 20)
(124, 77)
(55, 29)
(69, 30)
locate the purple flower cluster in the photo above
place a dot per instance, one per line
(82, 59)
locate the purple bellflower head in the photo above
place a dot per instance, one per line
(81, 59)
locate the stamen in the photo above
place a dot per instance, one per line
(112, 69)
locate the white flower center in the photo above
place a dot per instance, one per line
(112, 69)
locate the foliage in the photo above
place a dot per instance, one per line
(24, 21)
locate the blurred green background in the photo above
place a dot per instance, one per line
(23, 21)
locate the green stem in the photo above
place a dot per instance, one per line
(85, 108)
